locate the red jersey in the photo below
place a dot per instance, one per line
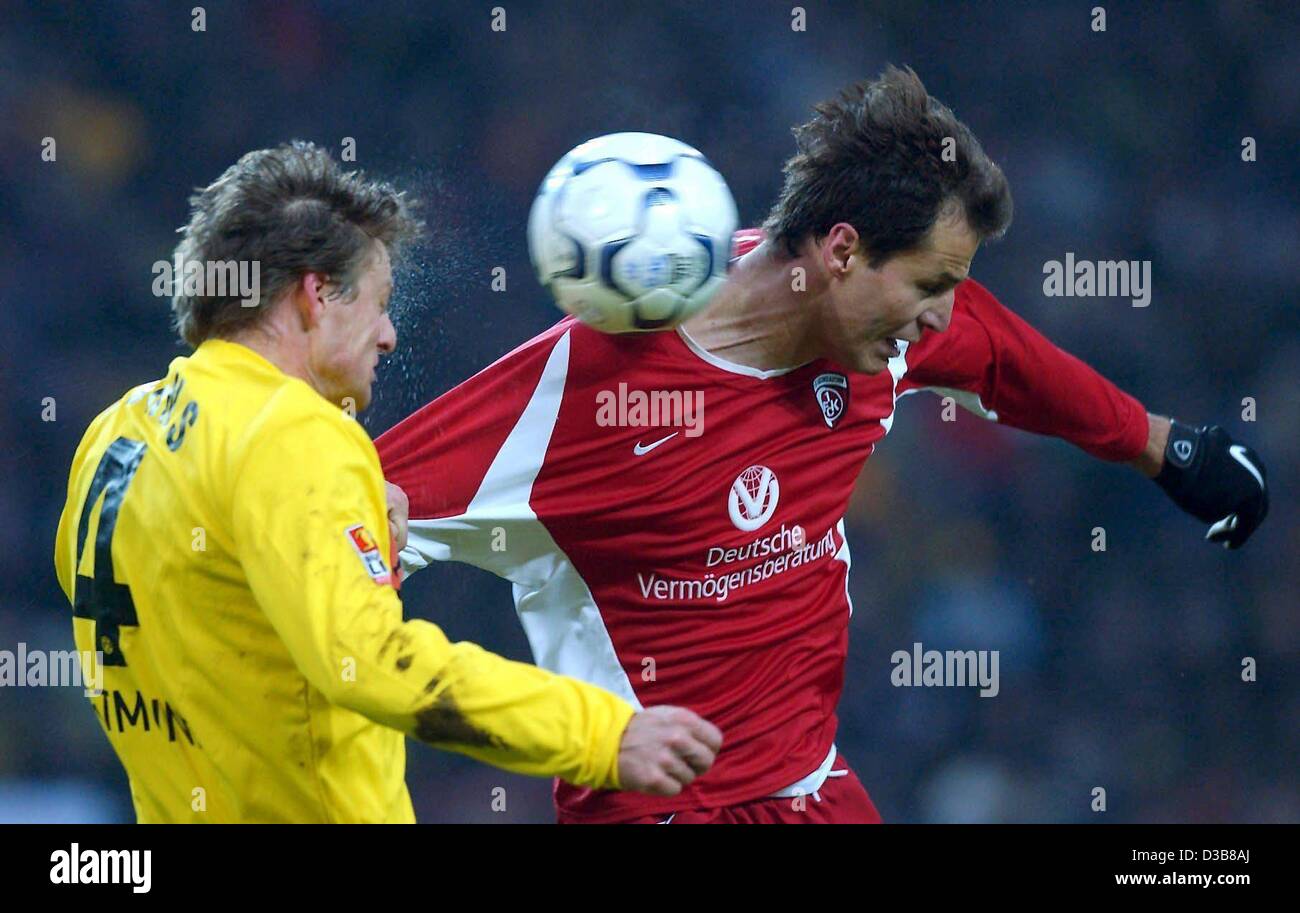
(673, 523)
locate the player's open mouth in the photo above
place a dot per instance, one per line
(891, 346)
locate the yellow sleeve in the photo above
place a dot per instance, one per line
(306, 482)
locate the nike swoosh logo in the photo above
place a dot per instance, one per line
(640, 450)
(1238, 453)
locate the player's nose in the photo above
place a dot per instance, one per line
(387, 336)
(937, 318)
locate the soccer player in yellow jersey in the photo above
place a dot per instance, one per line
(226, 548)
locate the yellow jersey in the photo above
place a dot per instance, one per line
(224, 546)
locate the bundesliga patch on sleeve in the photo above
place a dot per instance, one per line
(367, 547)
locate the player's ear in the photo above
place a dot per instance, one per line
(840, 243)
(309, 298)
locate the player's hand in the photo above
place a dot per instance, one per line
(1215, 480)
(664, 749)
(399, 512)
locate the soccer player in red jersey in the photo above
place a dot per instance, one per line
(669, 506)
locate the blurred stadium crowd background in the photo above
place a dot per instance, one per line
(1119, 669)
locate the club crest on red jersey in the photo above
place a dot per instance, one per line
(832, 392)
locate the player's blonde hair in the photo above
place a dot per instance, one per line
(292, 210)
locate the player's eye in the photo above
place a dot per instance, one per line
(935, 289)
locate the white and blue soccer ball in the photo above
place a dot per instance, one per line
(631, 232)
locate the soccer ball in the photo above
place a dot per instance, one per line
(631, 232)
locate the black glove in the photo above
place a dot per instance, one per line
(1216, 481)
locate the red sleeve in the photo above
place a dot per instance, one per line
(1028, 382)
(440, 454)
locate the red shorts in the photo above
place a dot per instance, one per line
(841, 800)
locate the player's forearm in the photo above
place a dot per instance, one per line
(460, 697)
(1028, 381)
(525, 719)
(1150, 461)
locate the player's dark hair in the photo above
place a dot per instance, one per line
(875, 158)
(293, 210)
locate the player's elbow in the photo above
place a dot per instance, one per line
(373, 704)
(340, 691)
(344, 681)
